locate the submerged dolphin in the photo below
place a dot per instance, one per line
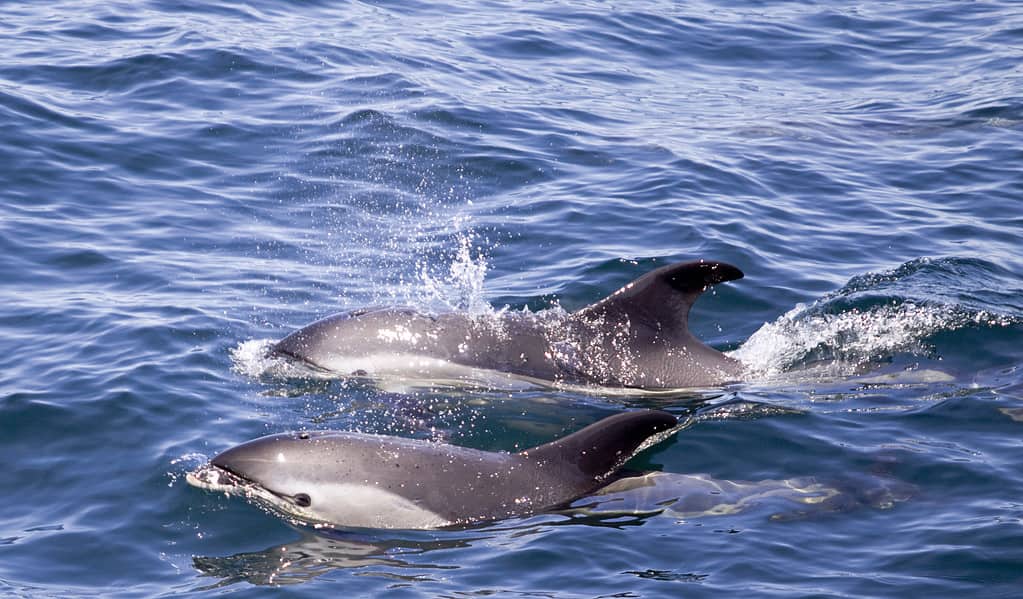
(636, 337)
(374, 481)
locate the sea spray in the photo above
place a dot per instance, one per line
(461, 287)
(873, 318)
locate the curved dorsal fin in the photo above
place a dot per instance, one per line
(604, 446)
(661, 298)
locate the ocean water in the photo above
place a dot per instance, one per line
(184, 182)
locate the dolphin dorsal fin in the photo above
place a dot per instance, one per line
(604, 446)
(661, 299)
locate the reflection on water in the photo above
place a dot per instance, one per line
(313, 554)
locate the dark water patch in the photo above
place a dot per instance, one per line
(205, 10)
(124, 75)
(19, 105)
(525, 44)
(86, 258)
(970, 283)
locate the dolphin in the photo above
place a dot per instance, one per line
(637, 337)
(345, 479)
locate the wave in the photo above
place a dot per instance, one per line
(877, 316)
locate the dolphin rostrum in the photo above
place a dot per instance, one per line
(636, 337)
(333, 478)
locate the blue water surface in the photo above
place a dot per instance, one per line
(183, 182)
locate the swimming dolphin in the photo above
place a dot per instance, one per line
(374, 481)
(637, 337)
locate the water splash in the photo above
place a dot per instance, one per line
(873, 318)
(252, 358)
(848, 340)
(461, 288)
(184, 464)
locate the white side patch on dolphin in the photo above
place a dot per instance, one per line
(369, 506)
(357, 505)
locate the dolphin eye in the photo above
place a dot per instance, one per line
(302, 500)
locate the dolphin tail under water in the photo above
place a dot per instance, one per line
(343, 479)
(638, 337)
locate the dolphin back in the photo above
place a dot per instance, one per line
(603, 447)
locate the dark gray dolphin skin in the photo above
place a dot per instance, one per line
(347, 479)
(637, 337)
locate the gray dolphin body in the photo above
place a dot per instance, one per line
(637, 337)
(357, 480)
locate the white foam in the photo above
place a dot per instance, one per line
(846, 340)
(252, 358)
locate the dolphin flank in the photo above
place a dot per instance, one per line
(356, 480)
(637, 337)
